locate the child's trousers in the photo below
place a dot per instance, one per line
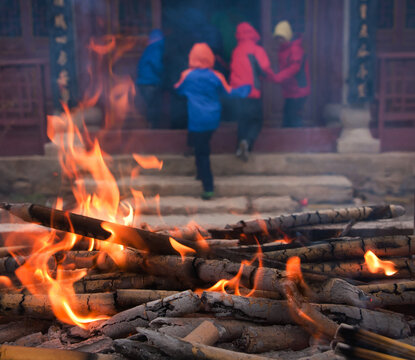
(201, 142)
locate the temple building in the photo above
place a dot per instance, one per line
(361, 55)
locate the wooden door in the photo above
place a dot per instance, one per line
(24, 72)
(395, 26)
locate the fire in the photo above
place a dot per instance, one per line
(181, 249)
(375, 265)
(148, 162)
(234, 283)
(94, 188)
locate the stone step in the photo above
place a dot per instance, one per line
(316, 189)
(188, 205)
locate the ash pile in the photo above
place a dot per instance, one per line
(330, 284)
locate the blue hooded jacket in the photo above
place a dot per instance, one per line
(150, 66)
(203, 88)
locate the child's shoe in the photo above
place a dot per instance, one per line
(207, 195)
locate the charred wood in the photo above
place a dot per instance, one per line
(272, 227)
(350, 248)
(10, 352)
(125, 322)
(136, 238)
(259, 339)
(386, 294)
(181, 349)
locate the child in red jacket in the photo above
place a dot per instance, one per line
(249, 62)
(293, 74)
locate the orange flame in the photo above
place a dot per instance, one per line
(374, 264)
(234, 283)
(94, 188)
(148, 162)
(181, 249)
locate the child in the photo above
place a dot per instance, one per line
(249, 64)
(149, 73)
(293, 73)
(203, 88)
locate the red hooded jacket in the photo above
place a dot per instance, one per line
(293, 72)
(249, 60)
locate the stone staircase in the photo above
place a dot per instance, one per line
(242, 190)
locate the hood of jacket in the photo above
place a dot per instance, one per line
(245, 31)
(201, 56)
(154, 36)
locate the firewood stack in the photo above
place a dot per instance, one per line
(302, 275)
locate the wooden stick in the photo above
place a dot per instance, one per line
(125, 322)
(360, 229)
(386, 294)
(249, 309)
(229, 330)
(306, 315)
(355, 352)
(17, 329)
(18, 249)
(349, 248)
(127, 298)
(195, 270)
(178, 348)
(352, 335)
(338, 291)
(137, 350)
(258, 339)
(206, 333)
(39, 306)
(277, 312)
(9, 352)
(389, 324)
(357, 269)
(272, 226)
(93, 228)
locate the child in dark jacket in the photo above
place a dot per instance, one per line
(203, 88)
(149, 75)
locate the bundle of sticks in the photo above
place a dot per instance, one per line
(159, 304)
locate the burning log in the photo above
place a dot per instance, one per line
(386, 294)
(305, 314)
(273, 226)
(113, 281)
(9, 264)
(8, 250)
(41, 307)
(354, 336)
(9, 352)
(181, 349)
(195, 270)
(125, 322)
(258, 339)
(357, 269)
(349, 248)
(155, 243)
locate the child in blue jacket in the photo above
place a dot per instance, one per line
(203, 88)
(149, 76)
